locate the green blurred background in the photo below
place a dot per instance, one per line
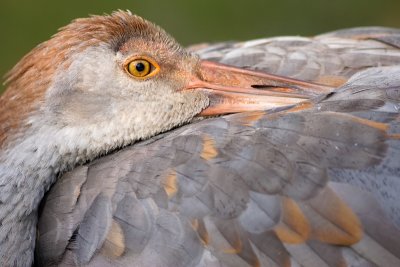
(25, 23)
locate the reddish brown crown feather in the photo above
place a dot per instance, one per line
(29, 79)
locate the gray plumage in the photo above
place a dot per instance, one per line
(314, 185)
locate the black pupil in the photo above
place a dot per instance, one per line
(140, 67)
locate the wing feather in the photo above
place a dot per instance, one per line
(312, 185)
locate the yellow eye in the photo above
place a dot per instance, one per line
(140, 68)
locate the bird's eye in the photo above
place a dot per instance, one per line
(141, 67)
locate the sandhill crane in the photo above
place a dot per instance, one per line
(207, 164)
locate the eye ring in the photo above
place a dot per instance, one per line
(141, 67)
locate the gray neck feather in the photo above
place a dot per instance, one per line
(27, 170)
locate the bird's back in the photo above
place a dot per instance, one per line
(327, 58)
(310, 185)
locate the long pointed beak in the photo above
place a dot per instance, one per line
(234, 90)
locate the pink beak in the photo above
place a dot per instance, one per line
(233, 90)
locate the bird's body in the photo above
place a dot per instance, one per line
(310, 180)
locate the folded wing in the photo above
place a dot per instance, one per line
(312, 185)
